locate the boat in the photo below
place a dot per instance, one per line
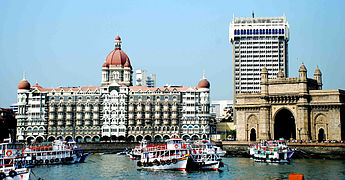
(98, 154)
(57, 152)
(171, 156)
(13, 168)
(135, 154)
(204, 156)
(12, 161)
(273, 151)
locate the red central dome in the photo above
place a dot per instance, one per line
(203, 84)
(24, 84)
(117, 56)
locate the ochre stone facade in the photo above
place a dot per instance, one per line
(291, 108)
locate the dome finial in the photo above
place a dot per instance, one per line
(203, 74)
(24, 75)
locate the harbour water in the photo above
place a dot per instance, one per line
(112, 166)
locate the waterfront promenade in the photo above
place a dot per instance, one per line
(313, 150)
(238, 148)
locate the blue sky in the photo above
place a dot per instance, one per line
(65, 43)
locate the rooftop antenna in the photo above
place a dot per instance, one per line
(203, 74)
(24, 75)
(253, 14)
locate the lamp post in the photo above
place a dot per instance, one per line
(299, 132)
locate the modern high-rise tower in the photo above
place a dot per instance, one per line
(258, 42)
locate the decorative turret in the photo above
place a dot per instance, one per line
(264, 80)
(280, 74)
(302, 72)
(317, 77)
(264, 74)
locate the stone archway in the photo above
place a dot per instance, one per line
(39, 139)
(51, 139)
(321, 136)
(284, 125)
(252, 135)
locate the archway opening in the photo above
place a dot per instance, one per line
(158, 138)
(166, 137)
(284, 125)
(130, 138)
(148, 138)
(39, 139)
(30, 140)
(68, 138)
(139, 138)
(185, 137)
(195, 137)
(51, 139)
(113, 138)
(122, 138)
(87, 139)
(95, 139)
(252, 135)
(79, 139)
(321, 135)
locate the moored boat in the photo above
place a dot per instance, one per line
(171, 156)
(57, 152)
(274, 151)
(204, 156)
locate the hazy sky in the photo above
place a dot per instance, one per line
(65, 43)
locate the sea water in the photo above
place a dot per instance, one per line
(112, 166)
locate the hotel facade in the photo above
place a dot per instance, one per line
(116, 110)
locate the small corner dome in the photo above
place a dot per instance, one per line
(203, 83)
(317, 71)
(264, 70)
(24, 84)
(280, 74)
(118, 38)
(302, 68)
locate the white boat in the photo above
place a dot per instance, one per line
(171, 156)
(13, 162)
(13, 168)
(274, 151)
(135, 154)
(57, 152)
(204, 156)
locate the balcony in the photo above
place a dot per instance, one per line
(79, 123)
(95, 116)
(131, 108)
(51, 123)
(166, 122)
(157, 108)
(131, 122)
(157, 122)
(131, 116)
(174, 122)
(148, 121)
(88, 109)
(147, 116)
(87, 123)
(60, 110)
(69, 109)
(69, 123)
(60, 123)
(139, 122)
(174, 108)
(51, 109)
(95, 122)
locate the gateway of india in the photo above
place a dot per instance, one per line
(291, 108)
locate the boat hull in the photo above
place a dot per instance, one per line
(180, 165)
(20, 176)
